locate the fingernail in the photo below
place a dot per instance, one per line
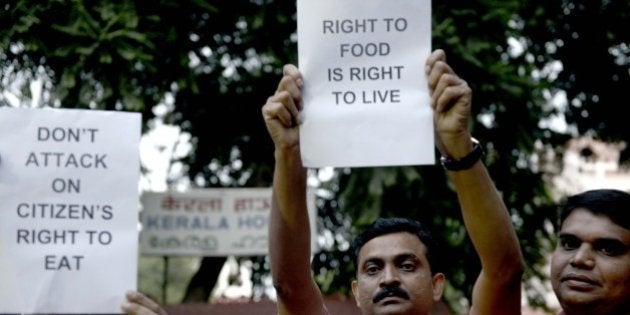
(299, 82)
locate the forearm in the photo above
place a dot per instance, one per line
(497, 290)
(488, 222)
(289, 232)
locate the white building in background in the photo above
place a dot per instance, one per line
(591, 164)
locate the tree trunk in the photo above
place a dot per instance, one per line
(202, 283)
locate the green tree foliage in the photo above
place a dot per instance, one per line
(591, 40)
(221, 59)
(215, 57)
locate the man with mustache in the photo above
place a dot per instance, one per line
(397, 266)
(590, 268)
(396, 270)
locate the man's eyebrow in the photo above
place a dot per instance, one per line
(611, 241)
(566, 235)
(405, 256)
(399, 258)
(376, 260)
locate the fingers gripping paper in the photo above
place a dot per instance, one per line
(366, 100)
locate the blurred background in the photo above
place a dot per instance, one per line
(550, 81)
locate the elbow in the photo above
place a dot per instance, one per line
(511, 269)
(514, 276)
(518, 267)
(282, 290)
(292, 293)
(286, 290)
(508, 267)
(516, 271)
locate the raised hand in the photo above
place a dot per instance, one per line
(282, 110)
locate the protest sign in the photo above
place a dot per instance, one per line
(366, 99)
(210, 222)
(68, 210)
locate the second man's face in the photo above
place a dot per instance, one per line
(590, 268)
(394, 276)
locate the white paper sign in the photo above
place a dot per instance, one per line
(68, 210)
(366, 96)
(211, 222)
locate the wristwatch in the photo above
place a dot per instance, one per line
(466, 162)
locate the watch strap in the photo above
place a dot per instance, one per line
(465, 162)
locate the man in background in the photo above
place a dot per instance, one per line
(590, 267)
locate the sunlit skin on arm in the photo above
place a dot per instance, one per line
(497, 289)
(289, 234)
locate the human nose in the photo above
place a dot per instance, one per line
(583, 257)
(390, 277)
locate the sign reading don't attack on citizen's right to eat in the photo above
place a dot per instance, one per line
(68, 210)
(365, 93)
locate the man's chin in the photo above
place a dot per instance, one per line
(577, 300)
(579, 296)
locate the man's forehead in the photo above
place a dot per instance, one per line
(583, 223)
(393, 244)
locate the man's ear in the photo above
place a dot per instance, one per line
(438, 286)
(355, 292)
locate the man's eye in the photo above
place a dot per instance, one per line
(371, 270)
(612, 249)
(408, 267)
(569, 243)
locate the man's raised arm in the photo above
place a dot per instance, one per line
(289, 233)
(497, 290)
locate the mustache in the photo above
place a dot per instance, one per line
(390, 291)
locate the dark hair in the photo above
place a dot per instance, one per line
(615, 204)
(383, 226)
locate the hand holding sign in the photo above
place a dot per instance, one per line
(282, 112)
(140, 304)
(451, 102)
